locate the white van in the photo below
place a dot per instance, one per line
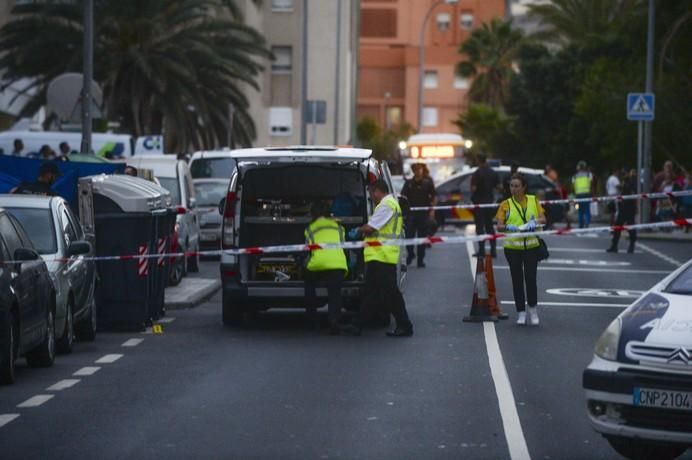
(103, 144)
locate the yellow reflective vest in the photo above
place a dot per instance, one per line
(389, 231)
(514, 217)
(324, 230)
(582, 183)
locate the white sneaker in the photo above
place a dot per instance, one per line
(533, 313)
(521, 318)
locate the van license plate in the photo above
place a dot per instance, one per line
(663, 399)
(288, 269)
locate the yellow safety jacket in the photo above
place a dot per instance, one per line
(324, 231)
(514, 217)
(389, 231)
(582, 183)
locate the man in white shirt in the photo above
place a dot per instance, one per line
(612, 189)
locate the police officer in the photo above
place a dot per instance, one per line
(582, 189)
(325, 266)
(381, 288)
(522, 211)
(420, 191)
(47, 174)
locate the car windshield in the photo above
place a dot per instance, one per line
(39, 227)
(210, 193)
(171, 184)
(220, 168)
(682, 284)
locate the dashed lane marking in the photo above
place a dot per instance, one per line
(89, 370)
(594, 269)
(132, 342)
(659, 254)
(36, 401)
(574, 304)
(107, 359)
(168, 319)
(63, 385)
(7, 418)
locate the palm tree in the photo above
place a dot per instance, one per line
(170, 66)
(490, 54)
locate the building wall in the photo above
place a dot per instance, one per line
(389, 58)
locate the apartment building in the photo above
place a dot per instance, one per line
(391, 35)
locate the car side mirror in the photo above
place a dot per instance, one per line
(25, 255)
(78, 247)
(222, 205)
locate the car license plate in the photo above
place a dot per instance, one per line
(663, 399)
(208, 237)
(288, 269)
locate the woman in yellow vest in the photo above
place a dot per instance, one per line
(522, 212)
(325, 266)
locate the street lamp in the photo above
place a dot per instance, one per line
(421, 57)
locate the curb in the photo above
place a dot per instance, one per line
(191, 292)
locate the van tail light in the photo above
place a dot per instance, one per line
(372, 178)
(229, 219)
(181, 210)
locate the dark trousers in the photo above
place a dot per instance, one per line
(624, 218)
(381, 292)
(523, 266)
(483, 218)
(332, 279)
(417, 224)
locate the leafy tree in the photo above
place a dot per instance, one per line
(164, 65)
(384, 144)
(489, 128)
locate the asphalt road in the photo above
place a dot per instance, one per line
(280, 389)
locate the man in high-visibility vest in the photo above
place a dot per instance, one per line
(381, 288)
(581, 182)
(325, 266)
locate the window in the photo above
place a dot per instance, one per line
(430, 79)
(466, 20)
(39, 226)
(378, 23)
(280, 121)
(393, 116)
(429, 116)
(443, 21)
(10, 234)
(282, 5)
(461, 82)
(283, 59)
(212, 167)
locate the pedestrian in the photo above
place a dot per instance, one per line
(582, 182)
(522, 212)
(381, 287)
(513, 169)
(131, 171)
(626, 211)
(325, 266)
(18, 147)
(46, 152)
(419, 191)
(48, 173)
(484, 183)
(666, 208)
(64, 149)
(612, 190)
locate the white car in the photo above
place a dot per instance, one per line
(639, 384)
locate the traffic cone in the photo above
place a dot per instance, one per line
(492, 292)
(480, 310)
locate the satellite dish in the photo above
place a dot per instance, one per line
(64, 97)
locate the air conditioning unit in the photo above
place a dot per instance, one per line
(280, 121)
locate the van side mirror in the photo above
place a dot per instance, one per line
(25, 255)
(222, 205)
(78, 247)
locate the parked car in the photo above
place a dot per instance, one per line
(457, 190)
(209, 192)
(27, 301)
(268, 203)
(212, 165)
(58, 236)
(174, 175)
(639, 384)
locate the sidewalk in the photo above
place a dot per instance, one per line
(195, 288)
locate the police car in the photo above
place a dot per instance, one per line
(639, 383)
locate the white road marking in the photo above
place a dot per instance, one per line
(168, 319)
(574, 304)
(63, 385)
(7, 418)
(36, 401)
(107, 359)
(132, 342)
(588, 262)
(596, 292)
(514, 435)
(599, 270)
(585, 250)
(659, 254)
(89, 370)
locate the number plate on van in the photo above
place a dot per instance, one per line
(663, 399)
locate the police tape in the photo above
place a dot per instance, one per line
(595, 199)
(432, 240)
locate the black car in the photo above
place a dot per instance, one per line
(27, 301)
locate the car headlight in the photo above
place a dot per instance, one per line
(607, 345)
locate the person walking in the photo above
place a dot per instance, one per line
(612, 190)
(48, 173)
(626, 211)
(522, 212)
(582, 182)
(381, 288)
(419, 191)
(325, 266)
(484, 182)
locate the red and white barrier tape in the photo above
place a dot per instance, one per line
(399, 242)
(595, 199)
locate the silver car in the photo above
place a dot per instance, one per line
(60, 240)
(210, 192)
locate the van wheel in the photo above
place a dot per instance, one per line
(637, 449)
(86, 329)
(64, 344)
(8, 349)
(44, 354)
(232, 314)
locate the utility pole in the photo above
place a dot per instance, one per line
(304, 82)
(88, 74)
(648, 127)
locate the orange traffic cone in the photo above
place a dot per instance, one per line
(492, 292)
(480, 310)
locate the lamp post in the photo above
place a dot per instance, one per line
(421, 57)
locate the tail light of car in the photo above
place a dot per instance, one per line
(229, 219)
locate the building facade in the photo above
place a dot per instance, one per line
(389, 59)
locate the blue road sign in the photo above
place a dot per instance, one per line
(640, 106)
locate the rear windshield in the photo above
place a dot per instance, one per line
(210, 193)
(219, 168)
(39, 226)
(171, 184)
(682, 284)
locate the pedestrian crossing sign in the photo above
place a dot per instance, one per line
(640, 106)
